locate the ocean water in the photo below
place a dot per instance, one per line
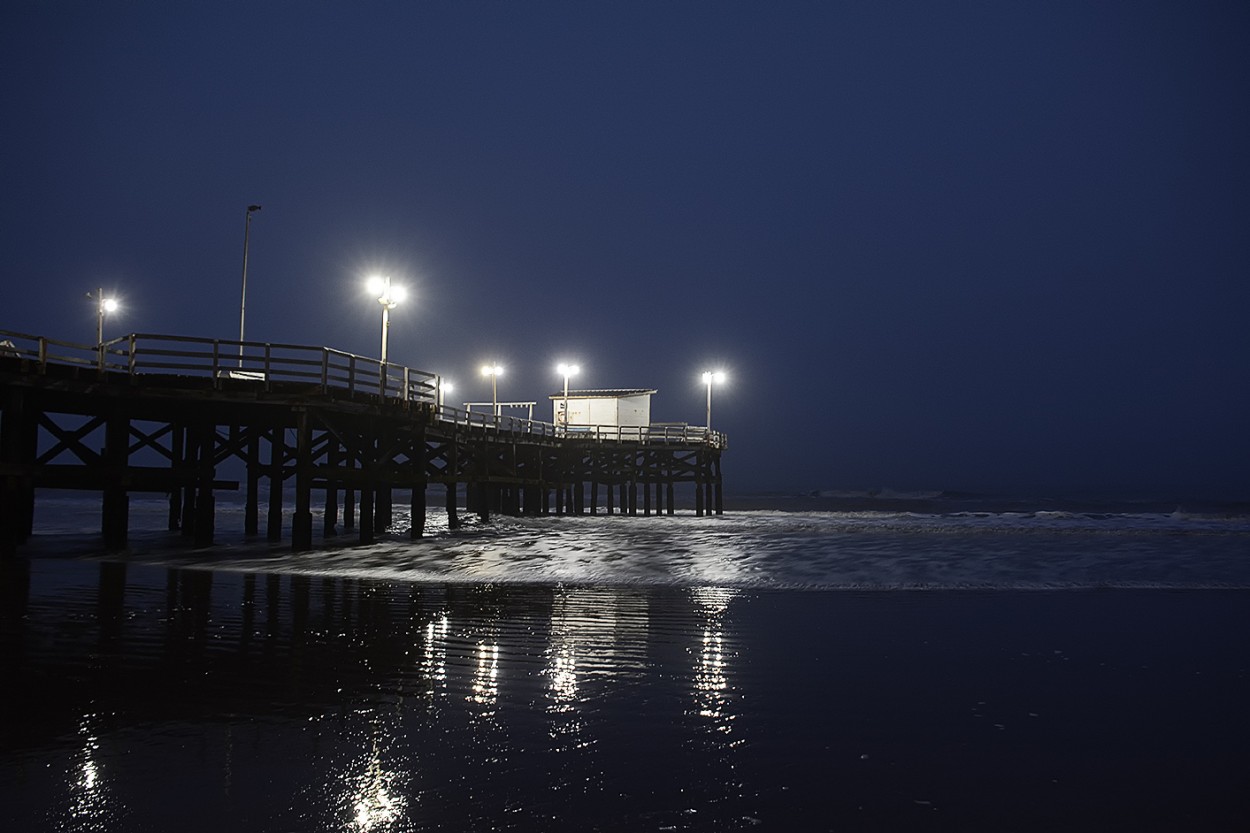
(821, 662)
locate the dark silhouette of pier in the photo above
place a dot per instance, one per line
(172, 414)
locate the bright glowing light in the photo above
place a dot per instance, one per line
(712, 692)
(711, 376)
(492, 370)
(109, 305)
(568, 369)
(376, 285)
(448, 387)
(486, 676)
(375, 803)
(398, 294)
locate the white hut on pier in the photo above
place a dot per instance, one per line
(603, 411)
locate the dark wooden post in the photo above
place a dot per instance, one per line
(177, 452)
(453, 472)
(717, 482)
(330, 521)
(416, 459)
(251, 512)
(116, 503)
(369, 468)
(594, 495)
(453, 519)
(190, 465)
(382, 504)
(14, 488)
(301, 521)
(277, 457)
(350, 457)
(205, 503)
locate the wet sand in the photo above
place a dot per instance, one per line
(141, 698)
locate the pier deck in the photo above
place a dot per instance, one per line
(182, 416)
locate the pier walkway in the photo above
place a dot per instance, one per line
(180, 415)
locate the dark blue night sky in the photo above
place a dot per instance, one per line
(966, 245)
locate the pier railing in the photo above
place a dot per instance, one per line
(263, 364)
(222, 361)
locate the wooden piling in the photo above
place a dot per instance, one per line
(116, 503)
(251, 511)
(301, 521)
(277, 458)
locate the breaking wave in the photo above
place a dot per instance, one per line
(859, 550)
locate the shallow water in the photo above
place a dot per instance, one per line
(637, 674)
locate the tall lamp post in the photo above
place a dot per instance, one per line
(389, 297)
(494, 371)
(567, 370)
(247, 232)
(102, 306)
(709, 377)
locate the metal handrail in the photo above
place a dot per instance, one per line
(322, 368)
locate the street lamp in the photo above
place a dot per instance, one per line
(717, 376)
(389, 297)
(567, 370)
(102, 306)
(247, 231)
(494, 371)
(444, 388)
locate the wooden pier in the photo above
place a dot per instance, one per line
(180, 416)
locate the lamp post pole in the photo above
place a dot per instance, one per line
(389, 297)
(567, 370)
(386, 317)
(247, 231)
(102, 306)
(493, 370)
(709, 377)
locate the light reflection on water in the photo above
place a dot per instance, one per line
(90, 805)
(376, 794)
(711, 683)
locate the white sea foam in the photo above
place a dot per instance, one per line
(765, 549)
